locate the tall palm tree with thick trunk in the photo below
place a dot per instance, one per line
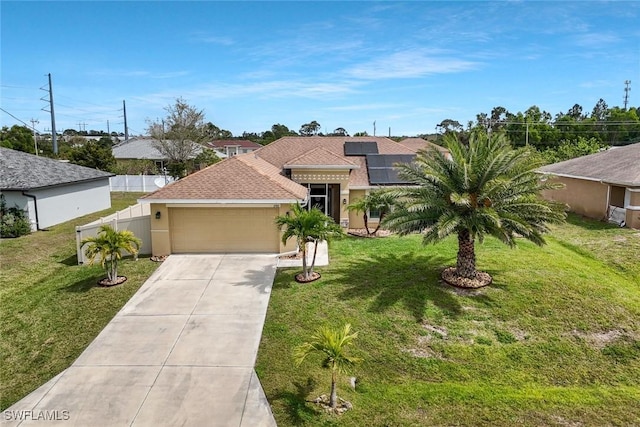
(487, 188)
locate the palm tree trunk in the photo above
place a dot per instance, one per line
(304, 260)
(379, 223)
(366, 223)
(466, 264)
(313, 260)
(333, 398)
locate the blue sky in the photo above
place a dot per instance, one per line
(405, 65)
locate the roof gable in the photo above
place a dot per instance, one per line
(242, 178)
(617, 165)
(24, 171)
(320, 158)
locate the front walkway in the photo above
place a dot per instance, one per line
(181, 352)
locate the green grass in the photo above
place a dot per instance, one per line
(51, 308)
(555, 340)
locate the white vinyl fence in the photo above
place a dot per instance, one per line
(138, 183)
(135, 218)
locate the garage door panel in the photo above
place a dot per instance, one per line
(211, 230)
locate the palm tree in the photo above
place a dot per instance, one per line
(109, 245)
(487, 188)
(333, 345)
(307, 226)
(379, 200)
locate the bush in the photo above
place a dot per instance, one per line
(13, 221)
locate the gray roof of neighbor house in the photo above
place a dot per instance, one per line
(617, 165)
(140, 148)
(24, 171)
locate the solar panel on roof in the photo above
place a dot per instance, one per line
(382, 170)
(360, 148)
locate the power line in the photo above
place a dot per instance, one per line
(16, 118)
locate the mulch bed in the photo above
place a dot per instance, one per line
(106, 283)
(361, 232)
(312, 278)
(481, 280)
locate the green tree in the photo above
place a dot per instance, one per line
(310, 129)
(307, 226)
(19, 138)
(206, 158)
(571, 149)
(380, 201)
(332, 344)
(109, 245)
(14, 222)
(179, 135)
(487, 188)
(92, 155)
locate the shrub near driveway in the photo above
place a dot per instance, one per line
(51, 308)
(555, 340)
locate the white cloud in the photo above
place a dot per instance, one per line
(411, 64)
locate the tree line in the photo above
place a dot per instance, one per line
(179, 135)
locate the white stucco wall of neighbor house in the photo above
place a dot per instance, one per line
(56, 205)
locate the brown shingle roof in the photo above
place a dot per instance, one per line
(618, 165)
(319, 157)
(417, 144)
(283, 150)
(242, 178)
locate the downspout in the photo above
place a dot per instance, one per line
(35, 205)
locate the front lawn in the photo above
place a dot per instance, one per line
(555, 340)
(50, 308)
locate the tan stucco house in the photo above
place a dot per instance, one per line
(602, 186)
(231, 206)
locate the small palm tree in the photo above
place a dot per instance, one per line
(487, 188)
(307, 226)
(333, 345)
(379, 200)
(109, 245)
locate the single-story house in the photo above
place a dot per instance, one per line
(143, 148)
(232, 205)
(230, 147)
(51, 191)
(604, 185)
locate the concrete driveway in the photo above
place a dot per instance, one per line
(181, 352)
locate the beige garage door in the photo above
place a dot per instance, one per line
(212, 230)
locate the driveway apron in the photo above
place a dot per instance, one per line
(181, 352)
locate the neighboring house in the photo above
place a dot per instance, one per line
(231, 206)
(605, 185)
(231, 147)
(142, 149)
(51, 191)
(418, 144)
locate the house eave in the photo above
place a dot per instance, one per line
(247, 202)
(322, 167)
(587, 178)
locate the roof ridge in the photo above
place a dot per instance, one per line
(341, 158)
(254, 166)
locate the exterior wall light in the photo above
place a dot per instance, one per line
(158, 215)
